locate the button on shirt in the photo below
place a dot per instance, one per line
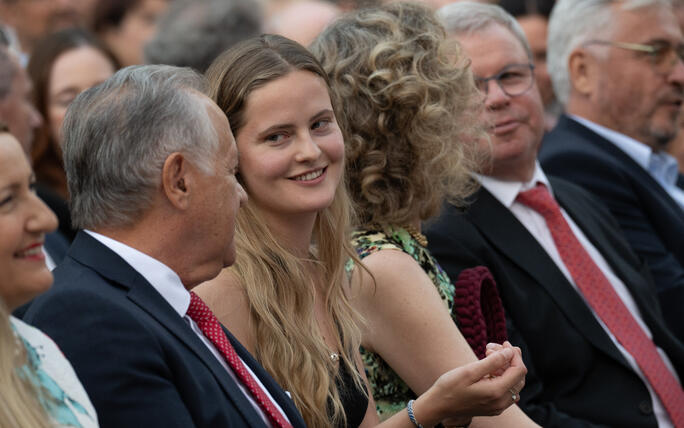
(506, 192)
(169, 286)
(661, 165)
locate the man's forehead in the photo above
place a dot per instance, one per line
(642, 24)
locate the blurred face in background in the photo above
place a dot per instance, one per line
(24, 221)
(138, 26)
(72, 73)
(32, 19)
(17, 110)
(535, 28)
(633, 92)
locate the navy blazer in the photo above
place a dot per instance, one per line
(139, 361)
(650, 219)
(576, 375)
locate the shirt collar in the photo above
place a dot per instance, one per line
(507, 191)
(161, 277)
(660, 164)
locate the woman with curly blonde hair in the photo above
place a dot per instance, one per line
(287, 297)
(412, 140)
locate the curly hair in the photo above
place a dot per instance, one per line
(410, 111)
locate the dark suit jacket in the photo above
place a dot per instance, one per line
(140, 362)
(576, 375)
(651, 220)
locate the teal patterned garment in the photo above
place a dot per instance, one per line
(63, 396)
(390, 392)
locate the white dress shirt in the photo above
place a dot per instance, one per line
(169, 286)
(662, 166)
(506, 192)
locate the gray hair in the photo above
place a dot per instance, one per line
(574, 22)
(467, 17)
(118, 134)
(8, 68)
(195, 32)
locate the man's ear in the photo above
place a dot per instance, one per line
(582, 68)
(176, 180)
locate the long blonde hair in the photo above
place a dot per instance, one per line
(19, 405)
(280, 291)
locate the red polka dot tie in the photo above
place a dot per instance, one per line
(601, 296)
(207, 322)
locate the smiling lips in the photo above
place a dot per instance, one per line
(32, 252)
(309, 176)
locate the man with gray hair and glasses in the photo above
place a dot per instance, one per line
(150, 163)
(578, 301)
(617, 68)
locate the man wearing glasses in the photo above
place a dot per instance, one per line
(578, 301)
(617, 68)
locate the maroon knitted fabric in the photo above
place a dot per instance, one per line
(478, 309)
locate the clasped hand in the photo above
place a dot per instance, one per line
(482, 388)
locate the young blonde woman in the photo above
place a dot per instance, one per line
(38, 386)
(410, 127)
(287, 298)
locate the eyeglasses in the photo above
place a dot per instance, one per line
(514, 80)
(663, 55)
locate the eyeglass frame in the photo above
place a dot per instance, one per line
(484, 81)
(646, 48)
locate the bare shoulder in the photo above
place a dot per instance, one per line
(390, 273)
(393, 266)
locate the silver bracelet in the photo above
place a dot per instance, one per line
(412, 417)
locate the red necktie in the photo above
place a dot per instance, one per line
(602, 297)
(207, 322)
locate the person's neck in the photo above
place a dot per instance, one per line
(294, 232)
(520, 173)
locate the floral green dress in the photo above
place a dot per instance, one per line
(390, 392)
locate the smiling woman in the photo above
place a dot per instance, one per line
(24, 221)
(287, 298)
(37, 385)
(63, 65)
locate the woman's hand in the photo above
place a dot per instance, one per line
(482, 388)
(493, 347)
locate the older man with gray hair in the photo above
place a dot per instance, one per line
(150, 164)
(578, 301)
(617, 68)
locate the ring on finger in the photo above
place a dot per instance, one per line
(514, 395)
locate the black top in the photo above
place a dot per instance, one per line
(354, 400)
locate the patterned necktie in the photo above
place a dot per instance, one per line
(207, 322)
(601, 296)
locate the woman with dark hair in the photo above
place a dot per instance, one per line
(288, 298)
(63, 65)
(126, 25)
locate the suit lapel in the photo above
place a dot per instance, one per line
(97, 256)
(273, 387)
(509, 236)
(599, 142)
